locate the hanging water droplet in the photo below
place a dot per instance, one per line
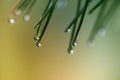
(62, 3)
(12, 21)
(71, 51)
(27, 18)
(91, 42)
(36, 38)
(68, 30)
(18, 12)
(38, 45)
(75, 43)
(102, 32)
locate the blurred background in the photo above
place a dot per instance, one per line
(20, 59)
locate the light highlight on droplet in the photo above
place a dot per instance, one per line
(18, 12)
(27, 18)
(71, 52)
(75, 44)
(36, 38)
(102, 32)
(38, 45)
(12, 21)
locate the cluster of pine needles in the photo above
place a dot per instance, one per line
(106, 10)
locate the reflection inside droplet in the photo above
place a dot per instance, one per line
(27, 18)
(68, 30)
(18, 12)
(36, 38)
(38, 45)
(102, 32)
(71, 51)
(12, 21)
(75, 43)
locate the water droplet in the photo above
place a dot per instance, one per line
(68, 30)
(38, 45)
(18, 12)
(71, 51)
(62, 3)
(12, 21)
(91, 42)
(75, 43)
(27, 18)
(36, 38)
(102, 32)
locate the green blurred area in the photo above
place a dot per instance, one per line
(21, 60)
